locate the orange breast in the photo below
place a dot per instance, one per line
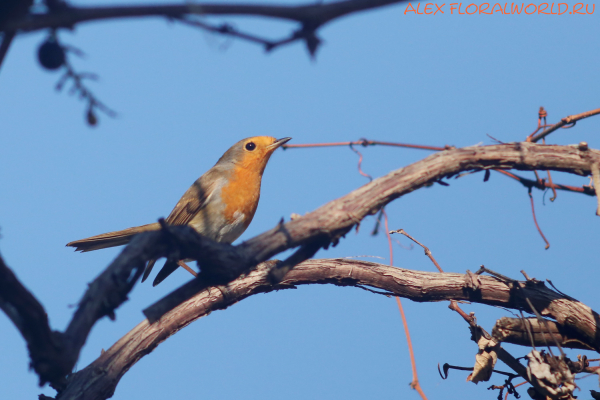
(241, 194)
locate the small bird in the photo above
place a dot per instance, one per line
(219, 205)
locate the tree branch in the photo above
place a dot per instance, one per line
(30, 318)
(543, 184)
(99, 379)
(571, 119)
(11, 9)
(7, 39)
(336, 218)
(515, 330)
(314, 15)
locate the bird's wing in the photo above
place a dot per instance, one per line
(196, 197)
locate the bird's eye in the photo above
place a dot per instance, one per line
(250, 146)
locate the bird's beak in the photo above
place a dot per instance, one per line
(278, 143)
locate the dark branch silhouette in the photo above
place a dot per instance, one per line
(313, 15)
(16, 17)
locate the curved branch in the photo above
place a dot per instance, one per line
(30, 318)
(99, 379)
(314, 15)
(336, 218)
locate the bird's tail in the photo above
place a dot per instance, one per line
(111, 239)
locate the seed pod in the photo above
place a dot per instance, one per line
(51, 55)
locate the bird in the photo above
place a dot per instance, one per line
(219, 205)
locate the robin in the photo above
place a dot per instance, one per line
(219, 205)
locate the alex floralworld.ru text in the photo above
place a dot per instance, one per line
(498, 8)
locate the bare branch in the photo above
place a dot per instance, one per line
(365, 143)
(314, 15)
(10, 9)
(514, 330)
(543, 184)
(7, 39)
(570, 120)
(99, 379)
(30, 318)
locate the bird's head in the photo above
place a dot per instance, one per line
(252, 153)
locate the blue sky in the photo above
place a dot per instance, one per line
(184, 96)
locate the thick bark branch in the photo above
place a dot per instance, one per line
(30, 318)
(517, 331)
(99, 379)
(313, 15)
(337, 217)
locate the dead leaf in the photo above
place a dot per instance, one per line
(485, 360)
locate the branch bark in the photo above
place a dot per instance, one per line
(99, 380)
(516, 331)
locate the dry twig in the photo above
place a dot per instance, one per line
(564, 122)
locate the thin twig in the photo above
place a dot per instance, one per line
(527, 325)
(570, 120)
(520, 384)
(427, 251)
(360, 159)
(540, 323)
(535, 221)
(228, 30)
(550, 179)
(83, 92)
(183, 265)
(415, 382)
(543, 185)
(365, 143)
